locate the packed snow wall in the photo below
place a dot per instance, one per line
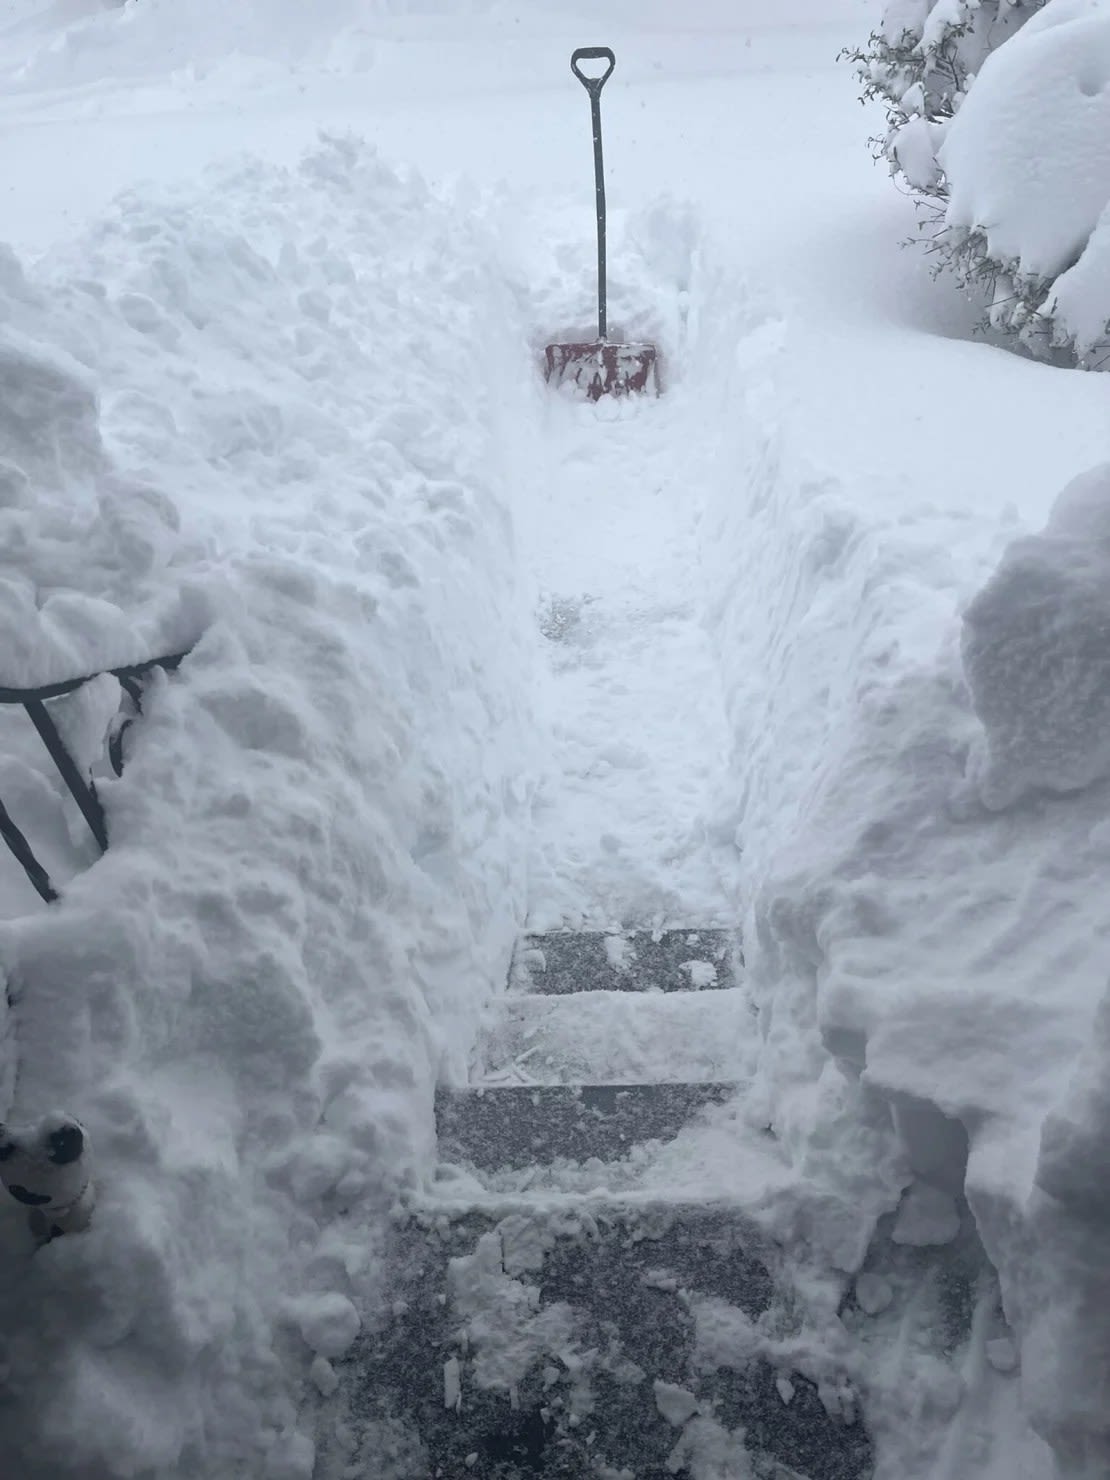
(279, 418)
(920, 794)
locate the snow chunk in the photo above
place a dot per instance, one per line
(927, 1216)
(701, 973)
(293, 1457)
(873, 1294)
(324, 1375)
(618, 952)
(1036, 650)
(452, 1384)
(328, 1322)
(1002, 1354)
(676, 1404)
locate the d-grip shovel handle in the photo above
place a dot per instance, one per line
(593, 85)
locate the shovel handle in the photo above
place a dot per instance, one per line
(593, 85)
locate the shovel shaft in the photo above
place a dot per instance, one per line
(599, 184)
(593, 86)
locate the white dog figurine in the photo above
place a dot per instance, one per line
(46, 1167)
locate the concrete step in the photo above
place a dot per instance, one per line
(618, 1038)
(494, 1126)
(627, 961)
(634, 1340)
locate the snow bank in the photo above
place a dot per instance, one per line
(86, 42)
(1027, 161)
(283, 419)
(927, 968)
(74, 42)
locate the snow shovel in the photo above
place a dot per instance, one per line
(601, 366)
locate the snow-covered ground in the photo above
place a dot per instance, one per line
(467, 651)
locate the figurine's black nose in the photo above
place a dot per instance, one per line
(66, 1145)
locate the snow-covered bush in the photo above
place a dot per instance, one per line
(1013, 173)
(920, 63)
(1027, 166)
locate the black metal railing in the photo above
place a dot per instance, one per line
(132, 679)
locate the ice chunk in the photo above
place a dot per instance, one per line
(452, 1384)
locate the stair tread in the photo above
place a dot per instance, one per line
(512, 1126)
(469, 1215)
(617, 1037)
(555, 1344)
(579, 1331)
(566, 961)
(718, 1248)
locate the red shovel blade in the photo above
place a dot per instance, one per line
(602, 368)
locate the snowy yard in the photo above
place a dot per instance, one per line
(806, 654)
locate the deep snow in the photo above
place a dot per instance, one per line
(294, 413)
(621, 821)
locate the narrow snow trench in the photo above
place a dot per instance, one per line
(631, 698)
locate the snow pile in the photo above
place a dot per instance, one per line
(1027, 163)
(291, 410)
(927, 968)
